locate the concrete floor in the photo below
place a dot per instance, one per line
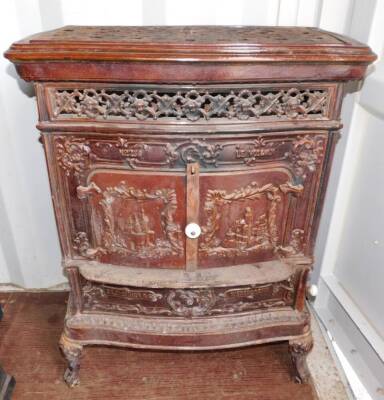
(329, 381)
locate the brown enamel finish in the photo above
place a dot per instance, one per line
(244, 215)
(189, 54)
(188, 342)
(195, 43)
(187, 36)
(148, 129)
(168, 302)
(193, 204)
(167, 104)
(135, 218)
(123, 212)
(182, 72)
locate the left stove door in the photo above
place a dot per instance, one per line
(136, 218)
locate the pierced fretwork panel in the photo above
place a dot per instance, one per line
(244, 103)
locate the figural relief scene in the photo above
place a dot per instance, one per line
(242, 217)
(137, 218)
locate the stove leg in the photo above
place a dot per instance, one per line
(299, 348)
(72, 352)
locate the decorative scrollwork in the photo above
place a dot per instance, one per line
(73, 155)
(188, 302)
(191, 104)
(190, 151)
(191, 302)
(82, 246)
(194, 150)
(110, 298)
(304, 153)
(295, 246)
(119, 292)
(307, 153)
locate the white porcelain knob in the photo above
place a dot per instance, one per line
(313, 290)
(193, 230)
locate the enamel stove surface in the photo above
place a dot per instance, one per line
(188, 167)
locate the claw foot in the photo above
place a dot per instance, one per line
(299, 349)
(72, 352)
(71, 377)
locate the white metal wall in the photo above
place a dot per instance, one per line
(351, 296)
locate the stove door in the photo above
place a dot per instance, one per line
(246, 216)
(137, 218)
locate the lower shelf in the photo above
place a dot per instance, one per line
(206, 333)
(188, 334)
(246, 274)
